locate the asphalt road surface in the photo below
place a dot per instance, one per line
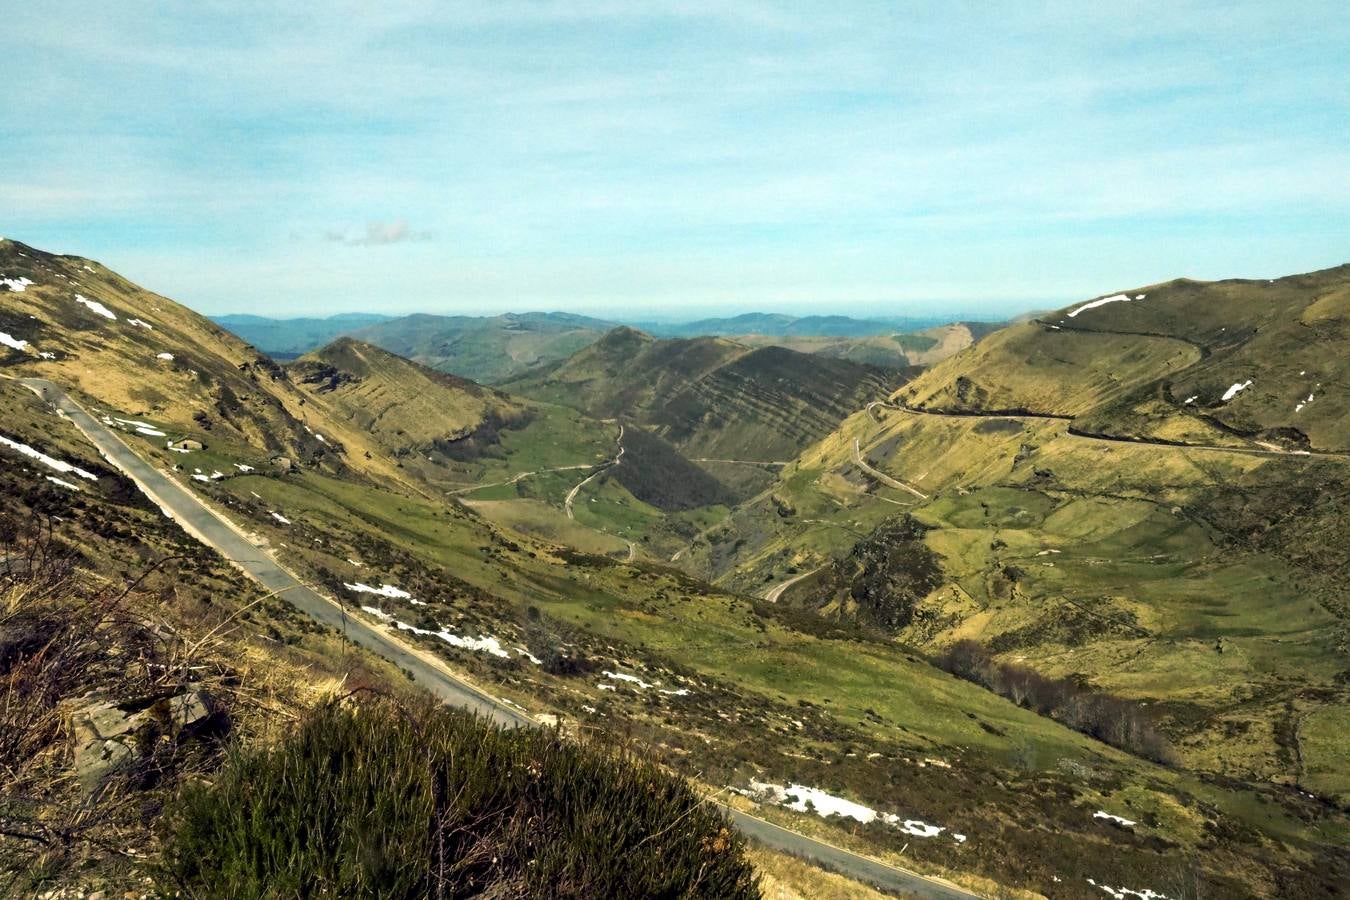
(203, 524)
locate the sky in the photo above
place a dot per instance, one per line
(675, 157)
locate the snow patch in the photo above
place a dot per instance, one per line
(798, 796)
(16, 285)
(63, 483)
(1189, 400)
(166, 356)
(201, 478)
(280, 518)
(384, 590)
(631, 679)
(142, 323)
(1114, 298)
(95, 307)
(243, 468)
(12, 342)
(1235, 390)
(485, 644)
(1122, 893)
(48, 461)
(1100, 814)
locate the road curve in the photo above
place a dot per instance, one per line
(572, 494)
(773, 593)
(882, 476)
(205, 525)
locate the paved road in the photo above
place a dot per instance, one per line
(773, 593)
(859, 868)
(1264, 450)
(882, 476)
(202, 523)
(572, 494)
(206, 526)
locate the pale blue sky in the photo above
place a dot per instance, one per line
(681, 156)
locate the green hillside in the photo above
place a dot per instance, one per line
(1199, 588)
(1231, 362)
(488, 349)
(712, 397)
(1165, 558)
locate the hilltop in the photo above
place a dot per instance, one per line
(488, 349)
(404, 407)
(712, 397)
(1223, 362)
(287, 338)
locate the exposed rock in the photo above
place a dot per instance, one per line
(107, 733)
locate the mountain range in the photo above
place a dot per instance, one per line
(493, 349)
(1060, 610)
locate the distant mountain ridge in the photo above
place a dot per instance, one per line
(287, 338)
(712, 396)
(782, 325)
(493, 349)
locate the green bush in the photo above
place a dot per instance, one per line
(378, 800)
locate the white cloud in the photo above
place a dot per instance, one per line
(377, 234)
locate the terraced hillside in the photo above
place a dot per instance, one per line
(712, 397)
(488, 349)
(1199, 578)
(405, 407)
(1227, 362)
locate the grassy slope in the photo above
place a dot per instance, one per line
(644, 621)
(769, 700)
(489, 349)
(711, 396)
(403, 405)
(1129, 367)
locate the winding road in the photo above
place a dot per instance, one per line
(882, 476)
(776, 591)
(207, 526)
(1264, 450)
(572, 494)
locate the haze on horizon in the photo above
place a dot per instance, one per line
(679, 157)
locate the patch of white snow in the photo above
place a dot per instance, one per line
(1235, 390)
(1114, 298)
(165, 356)
(12, 342)
(63, 483)
(1099, 814)
(16, 285)
(96, 307)
(50, 462)
(384, 590)
(280, 518)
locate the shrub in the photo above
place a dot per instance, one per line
(378, 800)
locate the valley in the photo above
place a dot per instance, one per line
(754, 561)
